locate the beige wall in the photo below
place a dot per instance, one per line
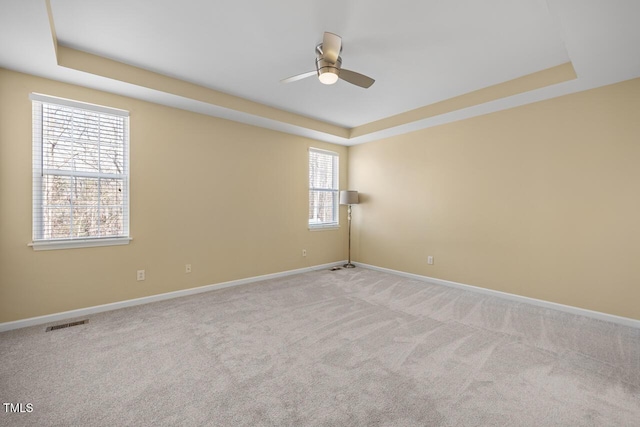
(541, 200)
(228, 198)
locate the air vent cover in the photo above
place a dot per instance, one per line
(67, 325)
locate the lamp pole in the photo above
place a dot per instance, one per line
(348, 264)
(349, 198)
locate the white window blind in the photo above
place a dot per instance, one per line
(80, 172)
(323, 188)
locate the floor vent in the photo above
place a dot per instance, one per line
(67, 325)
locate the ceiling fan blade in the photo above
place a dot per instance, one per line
(299, 77)
(331, 46)
(356, 78)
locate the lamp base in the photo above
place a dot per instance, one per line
(349, 265)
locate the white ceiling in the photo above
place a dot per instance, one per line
(419, 51)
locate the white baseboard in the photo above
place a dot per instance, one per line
(56, 317)
(625, 321)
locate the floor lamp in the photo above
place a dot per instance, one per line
(349, 198)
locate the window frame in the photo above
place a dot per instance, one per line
(38, 242)
(336, 190)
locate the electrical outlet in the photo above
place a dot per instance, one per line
(304, 252)
(430, 260)
(187, 268)
(140, 275)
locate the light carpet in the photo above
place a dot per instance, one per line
(343, 348)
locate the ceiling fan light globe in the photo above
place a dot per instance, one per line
(328, 77)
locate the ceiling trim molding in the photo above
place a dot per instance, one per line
(52, 27)
(554, 75)
(98, 65)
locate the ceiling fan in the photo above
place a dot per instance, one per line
(329, 65)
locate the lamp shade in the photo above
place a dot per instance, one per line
(349, 197)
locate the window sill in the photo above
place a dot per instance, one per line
(48, 245)
(323, 227)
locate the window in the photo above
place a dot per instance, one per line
(323, 188)
(80, 174)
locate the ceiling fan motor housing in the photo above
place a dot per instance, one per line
(323, 66)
